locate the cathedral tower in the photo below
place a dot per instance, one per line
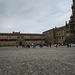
(72, 21)
(70, 27)
(73, 7)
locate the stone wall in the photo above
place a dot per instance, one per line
(12, 39)
(55, 35)
(49, 36)
(60, 35)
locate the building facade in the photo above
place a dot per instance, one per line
(60, 35)
(17, 38)
(55, 35)
(49, 36)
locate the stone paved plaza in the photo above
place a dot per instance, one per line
(37, 61)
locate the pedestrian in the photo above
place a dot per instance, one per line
(50, 45)
(32, 45)
(68, 45)
(41, 45)
(56, 45)
(17, 46)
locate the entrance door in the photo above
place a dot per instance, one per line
(20, 43)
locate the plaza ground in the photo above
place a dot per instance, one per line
(37, 61)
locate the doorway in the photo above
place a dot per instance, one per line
(20, 43)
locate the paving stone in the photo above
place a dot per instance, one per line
(38, 61)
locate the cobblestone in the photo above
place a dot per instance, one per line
(38, 61)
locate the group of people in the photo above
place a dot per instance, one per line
(41, 45)
(27, 46)
(68, 45)
(34, 45)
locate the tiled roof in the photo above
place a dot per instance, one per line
(21, 33)
(59, 27)
(55, 28)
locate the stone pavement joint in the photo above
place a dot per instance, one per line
(38, 61)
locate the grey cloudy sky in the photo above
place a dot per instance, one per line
(33, 16)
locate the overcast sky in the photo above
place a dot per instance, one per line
(33, 16)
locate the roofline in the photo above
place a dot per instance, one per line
(59, 27)
(54, 28)
(20, 34)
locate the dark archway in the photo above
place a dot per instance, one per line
(20, 43)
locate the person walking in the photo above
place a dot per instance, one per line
(50, 45)
(56, 45)
(68, 45)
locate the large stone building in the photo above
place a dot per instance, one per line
(17, 38)
(60, 35)
(49, 36)
(55, 35)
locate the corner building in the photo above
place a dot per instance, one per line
(55, 35)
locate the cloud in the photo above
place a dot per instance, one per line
(33, 15)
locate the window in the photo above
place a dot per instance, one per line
(62, 37)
